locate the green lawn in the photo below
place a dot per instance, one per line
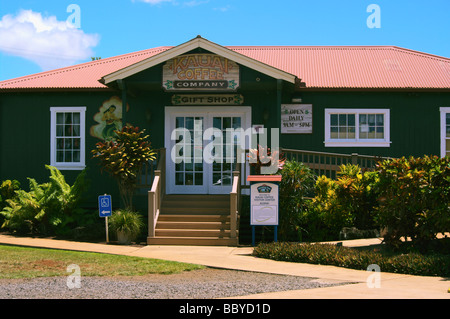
(21, 262)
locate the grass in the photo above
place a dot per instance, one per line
(21, 262)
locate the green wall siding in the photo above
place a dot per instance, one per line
(25, 122)
(25, 138)
(414, 121)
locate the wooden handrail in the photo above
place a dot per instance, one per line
(235, 195)
(154, 204)
(329, 163)
(155, 194)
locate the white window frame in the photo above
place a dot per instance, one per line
(357, 142)
(444, 111)
(71, 165)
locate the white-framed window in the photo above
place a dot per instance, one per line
(357, 127)
(445, 131)
(67, 141)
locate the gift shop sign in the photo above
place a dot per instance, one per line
(200, 72)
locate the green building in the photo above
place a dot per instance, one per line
(379, 101)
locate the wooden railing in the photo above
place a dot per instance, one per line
(156, 193)
(328, 163)
(235, 200)
(148, 171)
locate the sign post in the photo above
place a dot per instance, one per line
(264, 198)
(105, 210)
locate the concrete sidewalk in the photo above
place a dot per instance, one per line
(393, 286)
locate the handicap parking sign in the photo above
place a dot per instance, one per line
(104, 205)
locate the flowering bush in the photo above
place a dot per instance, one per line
(348, 201)
(414, 198)
(264, 157)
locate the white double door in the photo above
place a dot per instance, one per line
(202, 149)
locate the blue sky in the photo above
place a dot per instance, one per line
(35, 35)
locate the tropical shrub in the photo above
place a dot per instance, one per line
(123, 159)
(412, 263)
(296, 189)
(48, 208)
(414, 198)
(348, 201)
(7, 191)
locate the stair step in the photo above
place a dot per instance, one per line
(195, 211)
(195, 241)
(197, 198)
(193, 218)
(195, 204)
(216, 233)
(192, 225)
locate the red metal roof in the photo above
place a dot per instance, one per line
(85, 75)
(379, 67)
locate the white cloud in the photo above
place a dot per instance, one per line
(45, 40)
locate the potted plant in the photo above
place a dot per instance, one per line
(126, 224)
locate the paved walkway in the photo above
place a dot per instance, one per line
(392, 286)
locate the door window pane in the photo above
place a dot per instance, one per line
(189, 170)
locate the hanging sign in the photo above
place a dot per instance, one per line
(200, 72)
(211, 99)
(296, 118)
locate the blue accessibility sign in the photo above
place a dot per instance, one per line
(104, 206)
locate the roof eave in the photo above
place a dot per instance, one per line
(193, 44)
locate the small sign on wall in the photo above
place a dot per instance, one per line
(296, 119)
(211, 99)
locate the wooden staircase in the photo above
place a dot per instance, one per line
(202, 220)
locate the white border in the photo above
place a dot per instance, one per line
(443, 110)
(358, 142)
(68, 166)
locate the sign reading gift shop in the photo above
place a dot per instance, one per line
(200, 72)
(210, 99)
(264, 198)
(296, 118)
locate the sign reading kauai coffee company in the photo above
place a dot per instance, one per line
(200, 72)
